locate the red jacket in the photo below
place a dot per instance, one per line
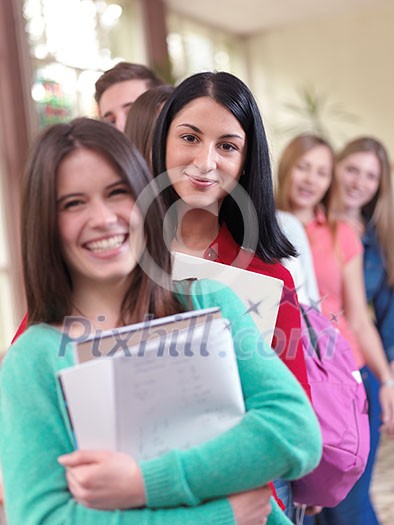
(21, 328)
(287, 338)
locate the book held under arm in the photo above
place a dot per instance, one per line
(260, 293)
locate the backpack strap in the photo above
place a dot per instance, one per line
(312, 334)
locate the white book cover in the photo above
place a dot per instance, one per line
(172, 395)
(261, 294)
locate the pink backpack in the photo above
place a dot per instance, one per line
(341, 406)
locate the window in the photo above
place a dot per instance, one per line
(194, 47)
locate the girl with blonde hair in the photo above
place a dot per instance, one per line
(363, 196)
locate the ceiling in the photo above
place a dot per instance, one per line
(250, 16)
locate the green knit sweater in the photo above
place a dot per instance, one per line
(278, 437)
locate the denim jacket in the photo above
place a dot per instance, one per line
(379, 294)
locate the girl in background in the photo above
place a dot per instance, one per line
(305, 175)
(141, 119)
(83, 238)
(363, 197)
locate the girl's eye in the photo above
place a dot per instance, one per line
(110, 120)
(71, 204)
(119, 190)
(229, 147)
(351, 169)
(189, 138)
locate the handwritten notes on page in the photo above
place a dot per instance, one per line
(175, 391)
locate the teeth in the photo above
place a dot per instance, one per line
(106, 244)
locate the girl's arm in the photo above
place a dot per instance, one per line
(383, 304)
(379, 292)
(33, 435)
(113, 490)
(357, 314)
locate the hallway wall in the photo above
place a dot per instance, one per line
(348, 58)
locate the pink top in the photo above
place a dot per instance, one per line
(329, 258)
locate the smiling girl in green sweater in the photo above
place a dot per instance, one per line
(83, 240)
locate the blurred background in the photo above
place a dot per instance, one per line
(313, 65)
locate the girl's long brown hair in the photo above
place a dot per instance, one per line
(141, 119)
(47, 280)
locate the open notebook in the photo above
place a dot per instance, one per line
(177, 387)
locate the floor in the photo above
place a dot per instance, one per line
(382, 486)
